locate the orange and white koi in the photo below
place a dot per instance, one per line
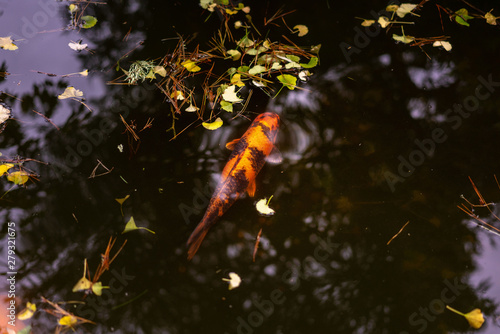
(245, 162)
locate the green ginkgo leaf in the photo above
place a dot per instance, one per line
(289, 81)
(312, 62)
(461, 16)
(90, 21)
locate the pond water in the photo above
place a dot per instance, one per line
(382, 134)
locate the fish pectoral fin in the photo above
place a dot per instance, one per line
(275, 156)
(251, 188)
(232, 143)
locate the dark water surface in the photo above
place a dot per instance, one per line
(382, 134)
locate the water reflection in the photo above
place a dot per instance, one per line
(323, 262)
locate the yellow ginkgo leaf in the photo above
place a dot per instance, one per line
(367, 23)
(474, 317)
(4, 168)
(121, 200)
(491, 19)
(7, 43)
(84, 73)
(70, 92)
(28, 312)
(68, 320)
(97, 288)
(160, 70)
(82, 284)
(190, 65)
(131, 226)
(229, 95)
(214, 125)
(302, 29)
(383, 21)
(405, 38)
(177, 95)
(263, 207)
(446, 45)
(405, 8)
(236, 80)
(19, 177)
(234, 280)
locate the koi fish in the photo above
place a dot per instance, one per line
(245, 162)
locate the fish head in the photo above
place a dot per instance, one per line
(269, 122)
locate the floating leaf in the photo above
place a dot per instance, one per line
(235, 54)
(131, 226)
(256, 70)
(236, 80)
(276, 66)
(214, 125)
(84, 73)
(227, 106)
(192, 108)
(77, 46)
(190, 65)
(82, 284)
(234, 280)
(4, 168)
(304, 75)
(97, 288)
(288, 80)
(461, 16)
(302, 29)
(28, 312)
(259, 83)
(292, 65)
(121, 200)
(4, 113)
(312, 62)
(70, 92)
(68, 320)
(405, 39)
(315, 48)
(444, 44)
(474, 317)
(177, 95)
(7, 43)
(383, 21)
(160, 70)
(243, 69)
(229, 95)
(293, 58)
(19, 177)
(72, 8)
(245, 42)
(405, 8)
(263, 207)
(391, 8)
(367, 23)
(90, 21)
(491, 19)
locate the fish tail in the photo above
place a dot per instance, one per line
(200, 232)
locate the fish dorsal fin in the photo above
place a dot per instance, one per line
(232, 144)
(274, 157)
(251, 188)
